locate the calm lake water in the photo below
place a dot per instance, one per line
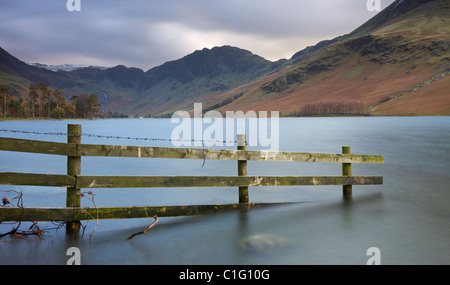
(407, 218)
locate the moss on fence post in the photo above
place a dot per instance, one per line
(346, 171)
(73, 169)
(242, 169)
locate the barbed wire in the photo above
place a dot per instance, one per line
(114, 137)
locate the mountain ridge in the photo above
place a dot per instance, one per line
(201, 68)
(403, 46)
(373, 70)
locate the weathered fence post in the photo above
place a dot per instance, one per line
(73, 169)
(242, 168)
(346, 171)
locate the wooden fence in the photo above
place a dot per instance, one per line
(74, 182)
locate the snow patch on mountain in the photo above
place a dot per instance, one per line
(64, 67)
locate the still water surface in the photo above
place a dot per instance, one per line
(407, 218)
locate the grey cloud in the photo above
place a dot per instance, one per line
(130, 32)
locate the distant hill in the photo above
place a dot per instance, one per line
(159, 91)
(199, 77)
(397, 63)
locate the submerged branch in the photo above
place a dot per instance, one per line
(146, 230)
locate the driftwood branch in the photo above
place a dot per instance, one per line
(15, 232)
(146, 230)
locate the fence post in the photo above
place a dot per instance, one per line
(73, 169)
(242, 168)
(346, 171)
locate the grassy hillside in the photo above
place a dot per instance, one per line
(400, 68)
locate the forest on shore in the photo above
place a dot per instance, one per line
(44, 102)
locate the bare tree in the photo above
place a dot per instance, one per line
(33, 96)
(43, 90)
(4, 94)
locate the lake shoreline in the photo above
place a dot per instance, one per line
(281, 117)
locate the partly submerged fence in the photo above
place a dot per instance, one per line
(74, 182)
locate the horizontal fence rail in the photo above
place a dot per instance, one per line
(133, 212)
(74, 150)
(29, 179)
(34, 179)
(33, 146)
(71, 149)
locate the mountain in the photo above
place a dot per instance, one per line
(17, 75)
(397, 63)
(159, 91)
(399, 11)
(198, 77)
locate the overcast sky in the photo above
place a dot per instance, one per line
(147, 33)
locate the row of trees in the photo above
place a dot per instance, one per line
(44, 102)
(332, 108)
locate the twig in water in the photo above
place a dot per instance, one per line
(204, 155)
(146, 230)
(34, 230)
